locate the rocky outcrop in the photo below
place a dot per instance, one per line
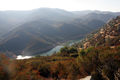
(108, 35)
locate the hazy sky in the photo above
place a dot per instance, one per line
(70, 5)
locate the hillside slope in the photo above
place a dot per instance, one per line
(108, 35)
(40, 36)
(40, 30)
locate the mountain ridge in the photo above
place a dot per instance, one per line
(43, 29)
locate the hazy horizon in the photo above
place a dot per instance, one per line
(69, 5)
(60, 9)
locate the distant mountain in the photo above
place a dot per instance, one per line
(11, 19)
(37, 31)
(108, 35)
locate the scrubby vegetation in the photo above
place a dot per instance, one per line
(103, 63)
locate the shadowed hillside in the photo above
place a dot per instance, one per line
(40, 30)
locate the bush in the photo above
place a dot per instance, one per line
(73, 50)
(82, 52)
(64, 50)
(44, 70)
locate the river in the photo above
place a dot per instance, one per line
(57, 48)
(50, 52)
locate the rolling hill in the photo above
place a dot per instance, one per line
(42, 29)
